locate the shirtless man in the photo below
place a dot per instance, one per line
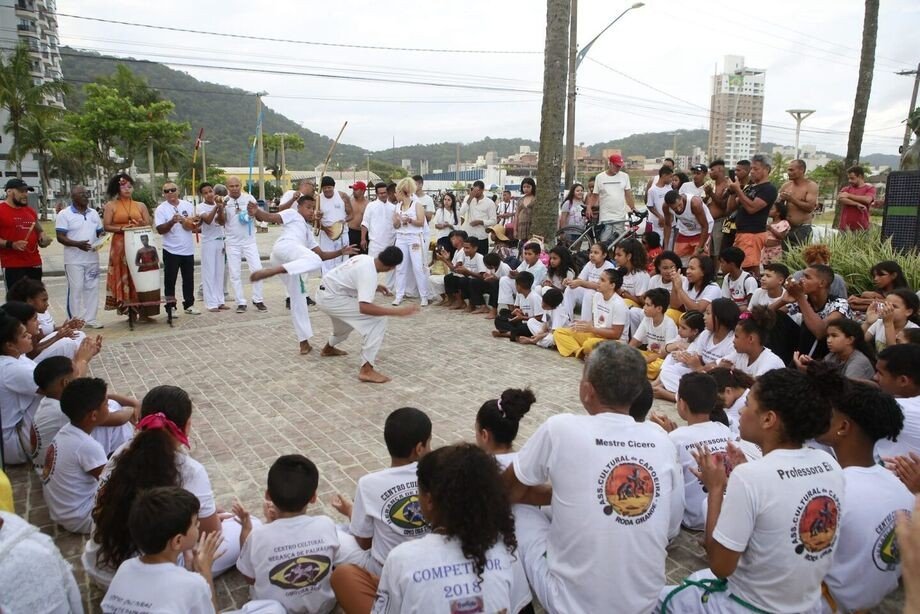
(716, 198)
(358, 205)
(801, 196)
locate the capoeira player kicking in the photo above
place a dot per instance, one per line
(296, 252)
(346, 295)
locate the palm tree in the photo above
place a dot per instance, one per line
(21, 96)
(39, 134)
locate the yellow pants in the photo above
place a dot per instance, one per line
(6, 494)
(572, 343)
(654, 367)
(631, 303)
(674, 314)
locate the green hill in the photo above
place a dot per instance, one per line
(440, 155)
(652, 144)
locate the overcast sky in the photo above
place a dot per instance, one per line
(810, 51)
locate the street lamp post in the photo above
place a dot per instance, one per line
(260, 153)
(575, 60)
(799, 115)
(281, 136)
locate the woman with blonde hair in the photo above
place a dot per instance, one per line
(409, 222)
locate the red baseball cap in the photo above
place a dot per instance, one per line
(617, 159)
(359, 185)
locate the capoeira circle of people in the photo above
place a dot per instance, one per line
(346, 292)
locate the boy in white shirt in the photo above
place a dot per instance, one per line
(771, 290)
(52, 376)
(74, 460)
(468, 267)
(289, 559)
(738, 285)
(617, 493)
(527, 304)
(554, 317)
(496, 270)
(164, 523)
(655, 331)
(898, 373)
(532, 265)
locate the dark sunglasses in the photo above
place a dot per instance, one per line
(170, 190)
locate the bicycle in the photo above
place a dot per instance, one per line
(572, 237)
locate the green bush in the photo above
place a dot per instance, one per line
(854, 253)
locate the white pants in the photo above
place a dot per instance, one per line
(507, 291)
(212, 273)
(636, 314)
(112, 437)
(235, 254)
(346, 316)
(436, 285)
(82, 291)
(574, 296)
(532, 528)
(373, 250)
(297, 260)
(67, 346)
(328, 245)
(413, 265)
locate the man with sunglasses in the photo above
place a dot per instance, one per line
(176, 221)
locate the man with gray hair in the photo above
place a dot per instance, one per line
(753, 203)
(617, 495)
(77, 227)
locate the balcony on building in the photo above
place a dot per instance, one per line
(26, 7)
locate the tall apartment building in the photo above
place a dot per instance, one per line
(736, 111)
(33, 22)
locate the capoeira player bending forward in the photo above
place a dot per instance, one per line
(346, 295)
(295, 253)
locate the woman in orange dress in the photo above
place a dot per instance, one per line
(121, 212)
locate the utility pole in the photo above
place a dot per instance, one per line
(368, 158)
(799, 115)
(281, 135)
(260, 152)
(153, 180)
(204, 164)
(570, 108)
(913, 103)
(674, 147)
(457, 169)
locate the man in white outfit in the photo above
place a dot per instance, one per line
(347, 297)
(77, 228)
(213, 217)
(479, 214)
(295, 253)
(377, 231)
(334, 206)
(240, 242)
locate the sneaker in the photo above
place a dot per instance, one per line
(260, 306)
(425, 302)
(397, 301)
(174, 310)
(93, 325)
(192, 311)
(241, 308)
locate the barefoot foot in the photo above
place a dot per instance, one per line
(331, 351)
(369, 375)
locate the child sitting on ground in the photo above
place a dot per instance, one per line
(630, 256)
(289, 559)
(164, 524)
(74, 460)
(469, 266)
(699, 405)
(51, 376)
(527, 304)
(733, 387)
(554, 317)
(690, 326)
(848, 350)
(737, 284)
(771, 289)
(887, 276)
(887, 317)
(532, 264)
(655, 330)
(610, 318)
(750, 355)
(488, 284)
(580, 291)
(54, 340)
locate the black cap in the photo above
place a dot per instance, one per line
(18, 184)
(699, 168)
(327, 180)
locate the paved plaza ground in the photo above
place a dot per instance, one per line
(256, 398)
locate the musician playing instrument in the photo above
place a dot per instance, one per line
(335, 209)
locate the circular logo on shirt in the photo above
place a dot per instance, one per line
(406, 513)
(468, 605)
(816, 524)
(628, 488)
(50, 457)
(300, 572)
(885, 553)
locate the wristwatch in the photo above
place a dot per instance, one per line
(8, 244)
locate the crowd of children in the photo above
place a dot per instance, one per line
(797, 457)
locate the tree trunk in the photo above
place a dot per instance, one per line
(552, 119)
(863, 90)
(44, 181)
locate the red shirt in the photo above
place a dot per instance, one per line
(851, 218)
(15, 222)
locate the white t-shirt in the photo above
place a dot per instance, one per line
(739, 289)
(761, 298)
(909, 438)
(689, 189)
(782, 514)
(163, 588)
(483, 210)
(878, 331)
(709, 292)
(432, 576)
(734, 412)
(427, 202)
(612, 192)
(444, 216)
(617, 488)
(767, 361)
(295, 229)
(656, 282)
(47, 422)
(378, 219)
(715, 436)
(178, 240)
(45, 322)
(610, 313)
(79, 226)
(871, 498)
(238, 232)
(592, 273)
(575, 211)
(656, 337)
(531, 305)
(476, 264)
(68, 488)
(212, 231)
(538, 270)
(711, 351)
(387, 509)
(357, 278)
(503, 270)
(291, 561)
(654, 201)
(636, 283)
(18, 401)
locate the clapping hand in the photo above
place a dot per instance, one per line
(710, 469)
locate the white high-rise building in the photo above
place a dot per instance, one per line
(33, 22)
(736, 111)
